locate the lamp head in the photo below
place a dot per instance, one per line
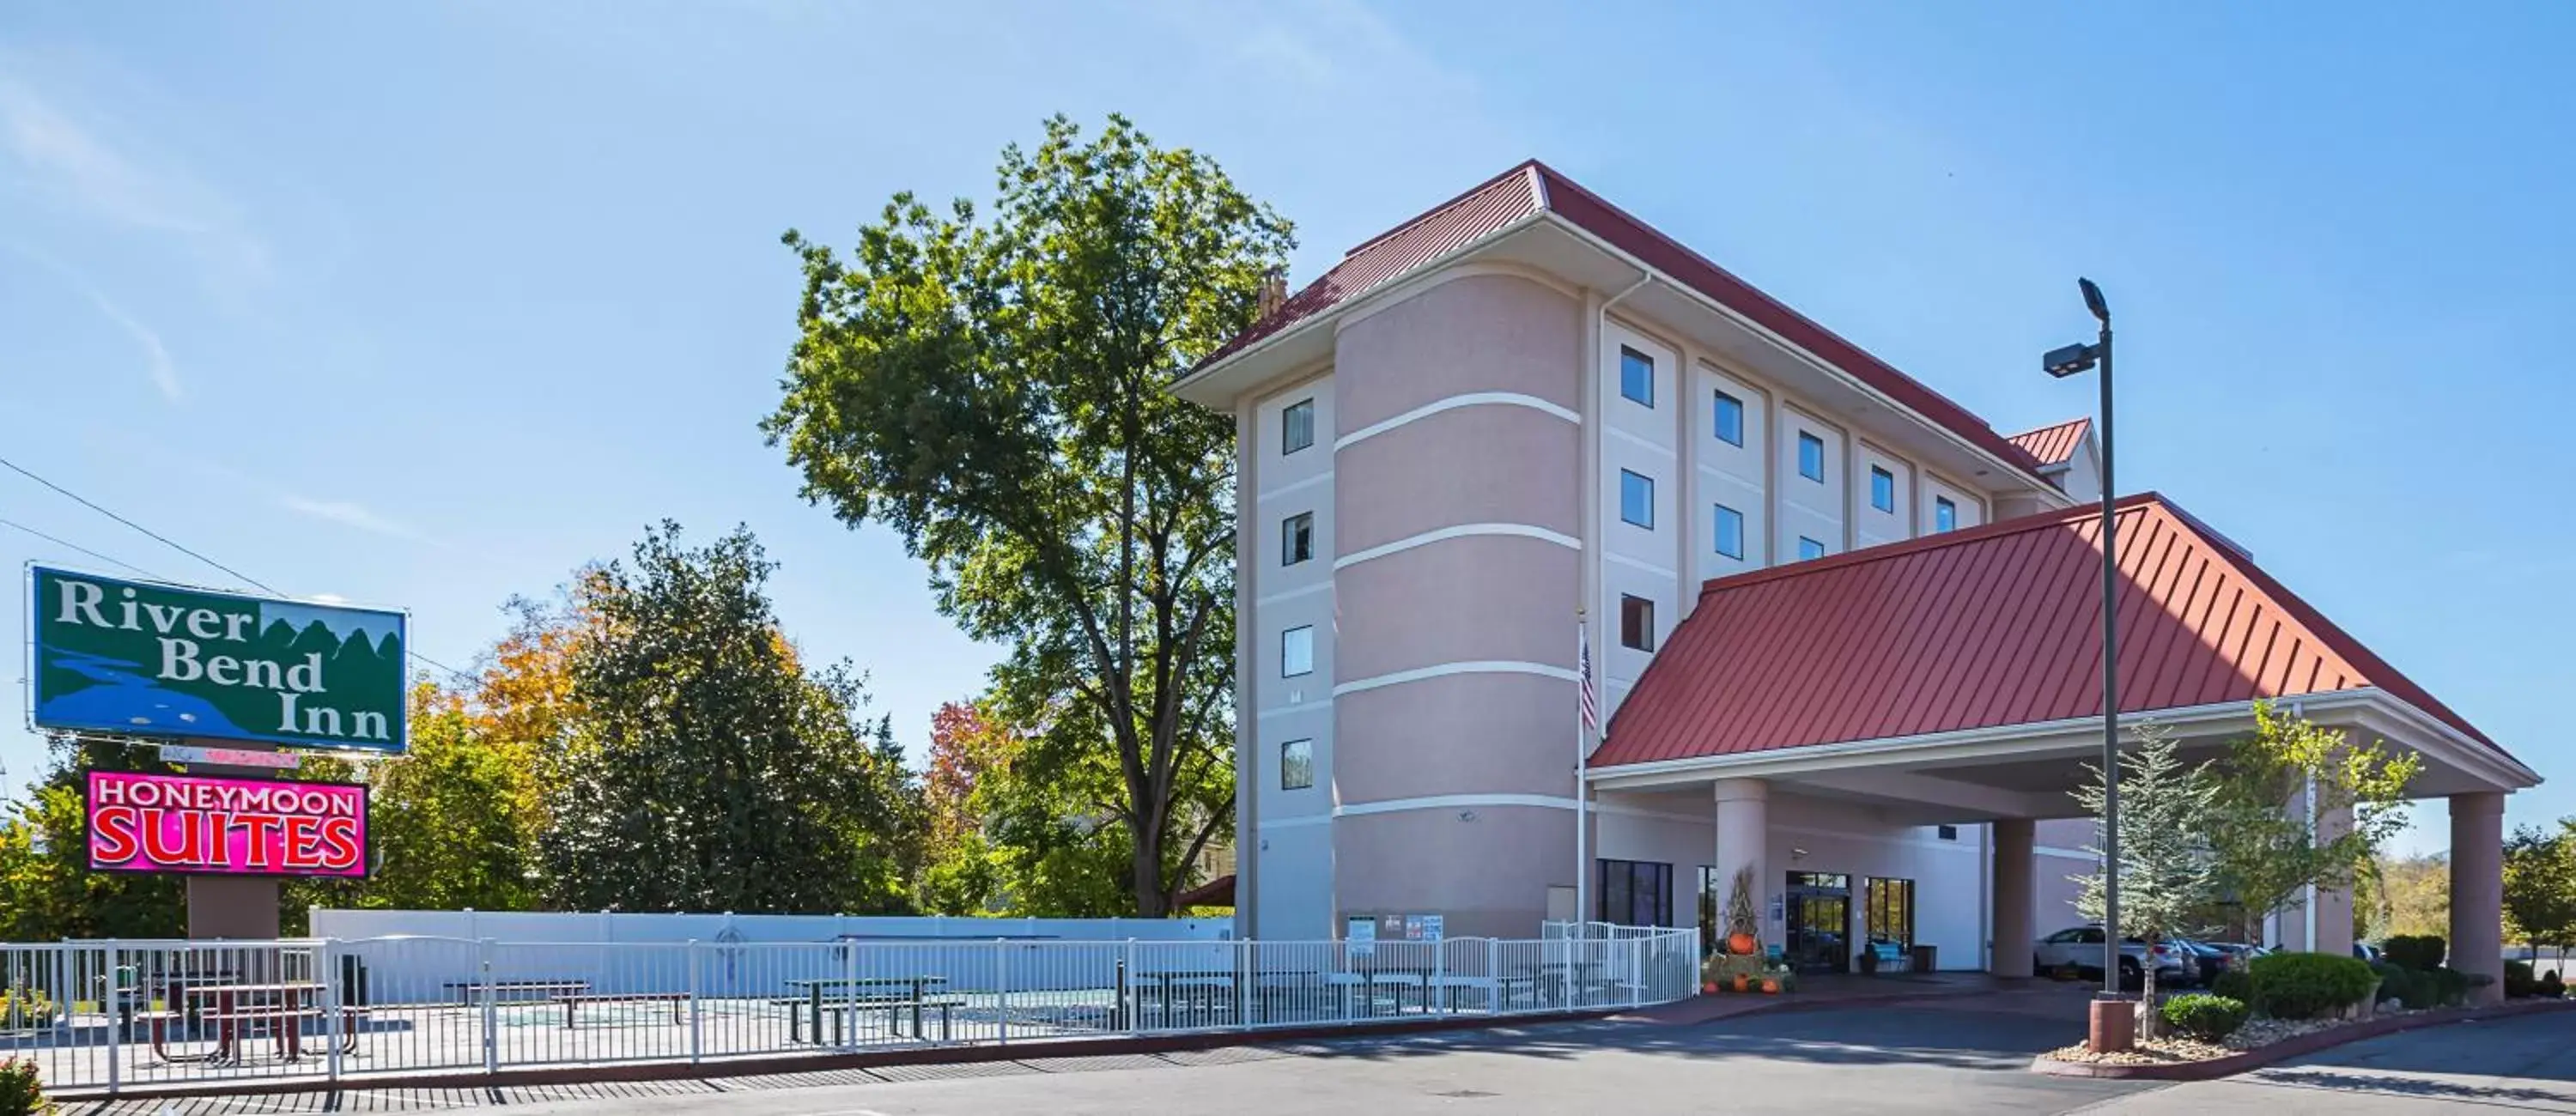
(2069, 360)
(2093, 301)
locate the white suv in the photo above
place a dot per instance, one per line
(2081, 946)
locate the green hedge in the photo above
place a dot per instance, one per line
(2420, 952)
(2518, 982)
(2207, 1018)
(2238, 985)
(2306, 985)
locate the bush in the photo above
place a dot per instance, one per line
(2204, 1017)
(2237, 985)
(2420, 952)
(2396, 982)
(26, 1009)
(2306, 985)
(2450, 987)
(22, 1093)
(2551, 986)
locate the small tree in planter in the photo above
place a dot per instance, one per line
(1743, 932)
(2165, 876)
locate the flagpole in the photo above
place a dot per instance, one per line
(1582, 854)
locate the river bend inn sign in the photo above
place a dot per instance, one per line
(141, 658)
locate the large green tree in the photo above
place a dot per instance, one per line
(2540, 885)
(47, 890)
(2164, 869)
(994, 391)
(2270, 837)
(705, 768)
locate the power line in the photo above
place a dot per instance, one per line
(163, 539)
(68, 545)
(172, 544)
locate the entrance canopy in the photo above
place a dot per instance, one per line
(1957, 677)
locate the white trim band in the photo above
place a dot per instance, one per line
(1480, 666)
(1454, 802)
(1470, 399)
(1461, 531)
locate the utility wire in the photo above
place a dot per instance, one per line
(163, 539)
(172, 544)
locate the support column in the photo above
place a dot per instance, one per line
(2013, 897)
(1743, 837)
(2334, 905)
(2477, 890)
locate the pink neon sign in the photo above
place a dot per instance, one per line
(240, 827)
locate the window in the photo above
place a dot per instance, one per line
(1811, 457)
(1297, 765)
(1297, 652)
(1949, 833)
(1297, 539)
(1636, 376)
(1891, 911)
(1729, 420)
(1945, 515)
(1809, 549)
(1297, 426)
(1730, 531)
(1636, 623)
(1634, 893)
(1882, 489)
(1637, 499)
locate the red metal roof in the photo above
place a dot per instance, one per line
(1532, 187)
(2054, 445)
(1990, 626)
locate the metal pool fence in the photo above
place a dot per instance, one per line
(119, 1016)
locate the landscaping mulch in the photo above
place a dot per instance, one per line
(2173, 1049)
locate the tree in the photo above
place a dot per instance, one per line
(706, 769)
(2164, 865)
(2271, 839)
(2540, 885)
(449, 820)
(47, 890)
(963, 872)
(2414, 896)
(995, 393)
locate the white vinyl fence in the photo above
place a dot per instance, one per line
(107, 1017)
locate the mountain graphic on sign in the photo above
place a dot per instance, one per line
(342, 623)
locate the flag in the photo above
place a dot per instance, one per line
(1583, 666)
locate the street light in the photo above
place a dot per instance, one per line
(2061, 363)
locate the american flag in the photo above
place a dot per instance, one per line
(1583, 666)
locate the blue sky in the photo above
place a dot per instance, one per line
(427, 304)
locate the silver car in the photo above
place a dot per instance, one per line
(2081, 947)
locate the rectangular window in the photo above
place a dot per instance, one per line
(1949, 833)
(1811, 457)
(1945, 515)
(1297, 426)
(1729, 420)
(1297, 652)
(1634, 893)
(1809, 549)
(1637, 499)
(1297, 539)
(1636, 376)
(1730, 531)
(1891, 912)
(1297, 765)
(1882, 489)
(1636, 623)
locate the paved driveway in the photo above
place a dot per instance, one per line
(2513, 1065)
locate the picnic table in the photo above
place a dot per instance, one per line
(1165, 982)
(914, 995)
(1368, 978)
(283, 1006)
(1563, 978)
(527, 989)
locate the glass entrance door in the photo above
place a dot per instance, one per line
(1819, 917)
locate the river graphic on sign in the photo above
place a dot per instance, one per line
(123, 695)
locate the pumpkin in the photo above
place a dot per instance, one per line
(1770, 987)
(1742, 945)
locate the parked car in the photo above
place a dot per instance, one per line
(2081, 947)
(2207, 960)
(2366, 952)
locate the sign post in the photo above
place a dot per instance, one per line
(227, 681)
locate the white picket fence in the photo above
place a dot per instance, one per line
(112, 1017)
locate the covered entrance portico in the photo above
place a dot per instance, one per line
(1824, 724)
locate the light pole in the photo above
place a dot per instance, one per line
(2062, 363)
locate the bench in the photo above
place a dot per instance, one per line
(894, 1006)
(572, 1002)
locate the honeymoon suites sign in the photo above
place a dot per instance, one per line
(235, 827)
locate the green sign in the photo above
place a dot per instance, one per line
(144, 659)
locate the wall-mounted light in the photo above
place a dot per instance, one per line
(1466, 815)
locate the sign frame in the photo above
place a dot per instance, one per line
(34, 649)
(139, 867)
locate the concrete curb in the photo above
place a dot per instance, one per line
(761, 1066)
(2289, 1048)
(1770, 1005)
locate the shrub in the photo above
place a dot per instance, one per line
(2235, 984)
(2396, 982)
(2518, 981)
(2204, 1017)
(22, 1093)
(26, 1009)
(2551, 986)
(2420, 952)
(2450, 987)
(2306, 985)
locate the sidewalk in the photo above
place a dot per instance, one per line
(1838, 991)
